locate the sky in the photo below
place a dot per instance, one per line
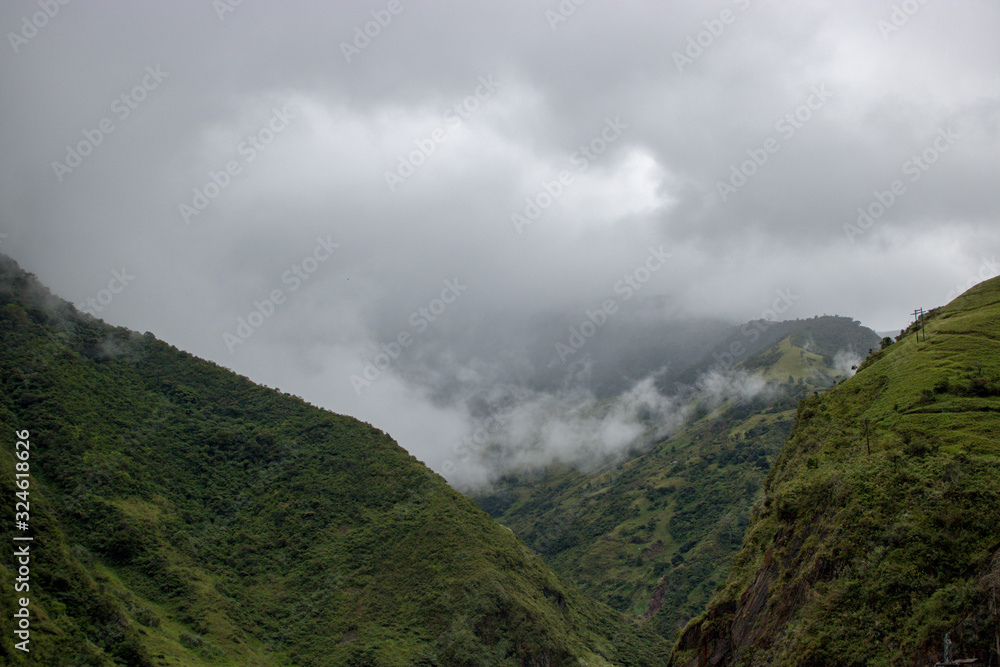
(415, 212)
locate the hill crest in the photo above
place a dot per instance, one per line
(876, 535)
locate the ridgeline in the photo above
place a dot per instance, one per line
(182, 515)
(877, 539)
(654, 535)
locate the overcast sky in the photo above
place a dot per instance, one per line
(504, 166)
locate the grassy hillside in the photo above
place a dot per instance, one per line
(877, 535)
(654, 536)
(753, 344)
(182, 515)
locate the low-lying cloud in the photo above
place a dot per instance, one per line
(846, 362)
(570, 427)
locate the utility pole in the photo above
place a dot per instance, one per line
(918, 318)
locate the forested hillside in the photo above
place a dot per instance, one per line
(653, 536)
(182, 515)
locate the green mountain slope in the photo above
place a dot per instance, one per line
(878, 535)
(824, 337)
(182, 515)
(653, 536)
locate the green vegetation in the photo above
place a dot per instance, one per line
(877, 533)
(654, 535)
(751, 346)
(184, 516)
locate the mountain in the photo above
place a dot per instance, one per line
(600, 353)
(876, 540)
(653, 535)
(830, 337)
(182, 515)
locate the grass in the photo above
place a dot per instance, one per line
(861, 558)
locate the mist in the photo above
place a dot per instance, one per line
(484, 198)
(526, 431)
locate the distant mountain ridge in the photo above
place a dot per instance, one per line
(652, 536)
(825, 335)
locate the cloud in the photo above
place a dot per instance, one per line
(416, 94)
(717, 387)
(527, 430)
(846, 362)
(523, 430)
